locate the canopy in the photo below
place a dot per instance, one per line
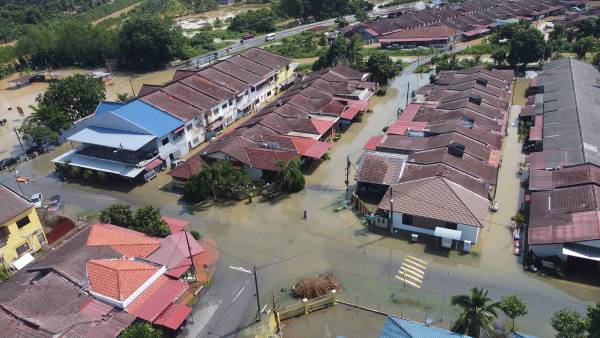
(111, 138)
(99, 164)
(581, 251)
(23, 261)
(447, 233)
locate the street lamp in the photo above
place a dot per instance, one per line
(19, 183)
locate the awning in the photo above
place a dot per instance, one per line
(373, 142)
(474, 32)
(173, 316)
(215, 125)
(350, 113)
(23, 261)
(99, 164)
(535, 134)
(111, 138)
(581, 251)
(447, 233)
(155, 163)
(180, 129)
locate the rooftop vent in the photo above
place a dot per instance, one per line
(475, 100)
(456, 149)
(481, 82)
(466, 122)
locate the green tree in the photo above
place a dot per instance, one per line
(568, 324)
(200, 185)
(478, 313)
(204, 39)
(527, 45)
(117, 214)
(381, 67)
(585, 45)
(3, 274)
(221, 178)
(77, 96)
(361, 15)
(149, 221)
(141, 330)
(148, 42)
(44, 125)
(259, 21)
(593, 320)
(499, 55)
(513, 306)
(290, 177)
(202, 5)
(124, 97)
(343, 50)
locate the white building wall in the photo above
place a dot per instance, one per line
(176, 146)
(397, 224)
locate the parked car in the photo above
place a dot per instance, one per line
(37, 200)
(7, 162)
(270, 36)
(248, 36)
(33, 151)
(55, 204)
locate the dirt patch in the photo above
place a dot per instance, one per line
(116, 14)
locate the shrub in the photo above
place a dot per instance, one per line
(318, 286)
(196, 234)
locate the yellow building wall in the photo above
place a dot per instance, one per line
(285, 74)
(26, 234)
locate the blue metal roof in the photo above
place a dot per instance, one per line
(148, 117)
(395, 327)
(105, 106)
(522, 335)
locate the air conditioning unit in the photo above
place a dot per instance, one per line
(414, 238)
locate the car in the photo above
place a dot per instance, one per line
(270, 36)
(248, 36)
(7, 162)
(55, 204)
(37, 200)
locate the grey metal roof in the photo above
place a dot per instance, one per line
(112, 138)
(570, 105)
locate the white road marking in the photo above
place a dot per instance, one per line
(409, 260)
(409, 282)
(416, 259)
(239, 293)
(239, 268)
(412, 271)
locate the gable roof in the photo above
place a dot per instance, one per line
(437, 198)
(380, 168)
(148, 117)
(128, 242)
(11, 204)
(118, 278)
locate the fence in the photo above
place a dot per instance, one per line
(306, 306)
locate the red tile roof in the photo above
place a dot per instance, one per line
(380, 168)
(190, 167)
(428, 33)
(173, 316)
(373, 142)
(128, 242)
(309, 147)
(157, 298)
(322, 126)
(174, 249)
(175, 224)
(118, 279)
(267, 159)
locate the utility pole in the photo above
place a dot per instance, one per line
(257, 295)
(391, 224)
(445, 296)
(187, 240)
(18, 182)
(347, 176)
(276, 313)
(18, 138)
(407, 92)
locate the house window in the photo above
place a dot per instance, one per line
(188, 127)
(23, 248)
(40, 237)
(4, 233)
(407, 219)
(224, 105)
(23, 222)
(230, 102)
(165, 141)
(252, 90)
(451, 226)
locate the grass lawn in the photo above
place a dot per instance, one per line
(519, 88)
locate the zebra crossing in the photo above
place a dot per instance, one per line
(412, 271)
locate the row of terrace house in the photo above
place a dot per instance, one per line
(564, 170)
(435, 170)
(298, 125)
(103, 279)
(441, 26)
(163, 123)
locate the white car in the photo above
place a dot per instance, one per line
(37, 200)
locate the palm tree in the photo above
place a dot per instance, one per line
(123, 97)
(290, 175)
(478, 313)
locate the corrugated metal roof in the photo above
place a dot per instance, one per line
(157, 298)
(395, 327)
(105, 106)
(150, 118)
(112, 138)
(173, 316)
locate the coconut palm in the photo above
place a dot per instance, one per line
(123, 97)
(478, 313)
(290, 176)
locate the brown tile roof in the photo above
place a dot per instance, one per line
(437, 198)
(118, 278)
(171, 104)
(190, 96)
(208, 87)
(266, 58)
(437, 32)
(418, 171)
(11, 204)
(267, 159)
(233, 147)
(380, 168)
(433, 116)
(251, 66)
(74, 266)
(237, 72)
(494, 140)
(15, 328)
(465, 163)
(191, 166)
(222, 79)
